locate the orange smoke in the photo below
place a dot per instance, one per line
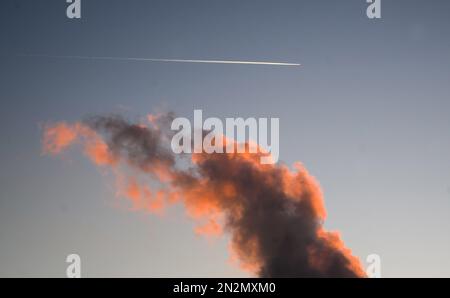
(58, 137)
(274, 214)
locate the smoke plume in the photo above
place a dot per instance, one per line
(273, 214)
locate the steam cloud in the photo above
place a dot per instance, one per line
(274, 215)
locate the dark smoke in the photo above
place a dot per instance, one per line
(274, 215)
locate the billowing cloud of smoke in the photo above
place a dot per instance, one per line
(274, 215)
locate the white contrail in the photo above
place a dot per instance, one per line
(167, 60)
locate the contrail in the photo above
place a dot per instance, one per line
(166, 60)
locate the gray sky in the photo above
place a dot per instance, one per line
(367, 113)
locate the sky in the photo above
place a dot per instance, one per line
(366, 113)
